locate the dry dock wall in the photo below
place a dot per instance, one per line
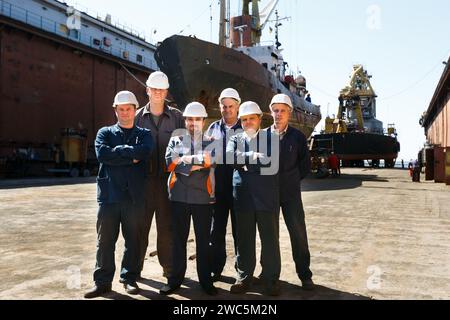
(47, 85)
(436, 122)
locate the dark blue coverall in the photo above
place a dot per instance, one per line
(120, 185)
(295, 164)
(256, 201)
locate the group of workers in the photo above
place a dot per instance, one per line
(157, 161)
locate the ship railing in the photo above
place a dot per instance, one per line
(267, 43)
(38, 21)
(309, 107)
(142, 35)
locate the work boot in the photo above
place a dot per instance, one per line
(240, 287)
(138, 278)
(258, 279)
(272, 288)
(98, 290)
(210, 290)
(131, 288)
(308, 285)
(168, 289)
(216, 277)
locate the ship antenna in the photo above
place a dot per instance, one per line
(211, 20)
(277, 26)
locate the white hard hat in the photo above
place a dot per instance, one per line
(125, 97)
(248, 108)
(195, 110)
(158, 80)
(230, 93)
(281, 98)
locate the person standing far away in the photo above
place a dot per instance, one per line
(295, 165)
(333, 163)
(123, 151)
(416, 171)
(221, 130)
(410, 168)
(308, 98)
(162, 120)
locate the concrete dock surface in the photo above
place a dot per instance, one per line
(373, 234)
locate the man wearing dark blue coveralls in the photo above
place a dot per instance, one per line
(295, 164)
(220, 131)
(256, 200)
(123, 151)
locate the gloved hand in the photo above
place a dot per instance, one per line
(256, 155)
(196, 159)
(186, 159)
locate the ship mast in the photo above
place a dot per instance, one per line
(224, 29)
(259, 18)
(222, 23)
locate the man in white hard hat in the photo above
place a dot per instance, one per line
(123, 151)
(221, 130)
(295, 164)
(191, 192)
(161, 120)
(256, 204)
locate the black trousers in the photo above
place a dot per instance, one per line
(222, 210)
(110, 218)
(294, 217)
(268, 227)
(181, 222)
(157, 204)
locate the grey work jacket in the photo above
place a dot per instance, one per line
(196, 187)
(170, 120)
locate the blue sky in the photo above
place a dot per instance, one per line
(401, 43)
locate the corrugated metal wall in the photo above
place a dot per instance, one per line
(439, 133)
(46, 86)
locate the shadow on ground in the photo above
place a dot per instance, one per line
(191, 290)
(43, 182)
(345, 181)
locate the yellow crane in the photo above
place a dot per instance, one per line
(358, 96)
